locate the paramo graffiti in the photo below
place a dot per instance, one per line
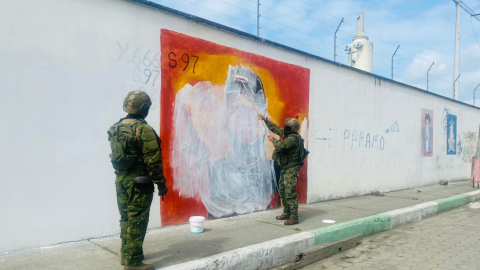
(352, 139)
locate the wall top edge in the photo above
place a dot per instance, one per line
(275, 44)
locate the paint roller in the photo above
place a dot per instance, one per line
(243, 80)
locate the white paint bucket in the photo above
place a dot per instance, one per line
(196, 224)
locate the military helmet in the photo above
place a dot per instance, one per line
(293, 124)
(135, 101)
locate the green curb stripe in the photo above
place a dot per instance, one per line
(446, 204)
(362, 226)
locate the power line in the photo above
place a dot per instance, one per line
(220, 13)
(473, 30)
(377, 54)
(280, 34)
(314, 7)
(238, 7)
(412, 65)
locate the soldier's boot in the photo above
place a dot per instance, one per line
(283, 217)
(139, 267)
(291, 221)
(122, 260)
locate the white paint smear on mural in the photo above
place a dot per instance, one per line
(220, 147)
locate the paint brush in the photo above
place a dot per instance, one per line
(243, 80)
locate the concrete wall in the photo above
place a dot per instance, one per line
(63, 77)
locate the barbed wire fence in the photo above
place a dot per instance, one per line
(286, 24)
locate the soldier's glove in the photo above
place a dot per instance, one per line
(162, 190)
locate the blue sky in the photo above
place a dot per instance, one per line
(425, 30)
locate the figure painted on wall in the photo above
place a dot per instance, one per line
(219, 153)
(452, 134)
(469, 146)
(219, 157)
(427, 133)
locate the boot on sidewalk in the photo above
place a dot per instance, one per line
(139, 267)
(291, 221)
(282, 217)
(122, 260)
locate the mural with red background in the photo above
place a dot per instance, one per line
(216, 155)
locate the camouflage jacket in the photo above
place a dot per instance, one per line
(148, 157)
(285, 153)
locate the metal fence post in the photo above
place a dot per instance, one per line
(392, 58)
(335, 42)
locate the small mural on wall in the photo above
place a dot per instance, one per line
(451, 134)
(469, 146)
(217, 155)
(427, 133)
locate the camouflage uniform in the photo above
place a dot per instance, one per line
(285, 155)
(134, 199)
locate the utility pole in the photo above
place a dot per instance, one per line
(392, 58)
(335, 42)
(258, 18)
(454, 83)
(428, 72)
(456, 70)
(474, 94)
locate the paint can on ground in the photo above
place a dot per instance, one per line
(196, 224)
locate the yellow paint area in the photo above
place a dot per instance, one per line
(214, 68)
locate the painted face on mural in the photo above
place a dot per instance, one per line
(243, 126)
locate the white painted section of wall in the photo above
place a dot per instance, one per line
(63, 78)
(345, 167)
(412, 214)
(62, 86)
(265, 255)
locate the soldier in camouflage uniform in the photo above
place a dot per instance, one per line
(136, 151)
(289, 155)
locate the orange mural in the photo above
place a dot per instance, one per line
(216, 156)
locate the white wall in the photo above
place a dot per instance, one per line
(63, 78)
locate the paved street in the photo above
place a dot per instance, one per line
(447, 241)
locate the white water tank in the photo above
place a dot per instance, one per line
(360, 51)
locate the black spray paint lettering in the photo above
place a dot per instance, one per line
(185, 59)
(173, 62)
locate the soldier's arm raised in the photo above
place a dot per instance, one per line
(274, 128)
(152, 153)
(285, 145)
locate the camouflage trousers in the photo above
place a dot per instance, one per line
(134, 202)
(288, 191)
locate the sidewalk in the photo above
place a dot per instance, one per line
(175, 245)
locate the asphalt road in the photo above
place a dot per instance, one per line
(450, 241)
